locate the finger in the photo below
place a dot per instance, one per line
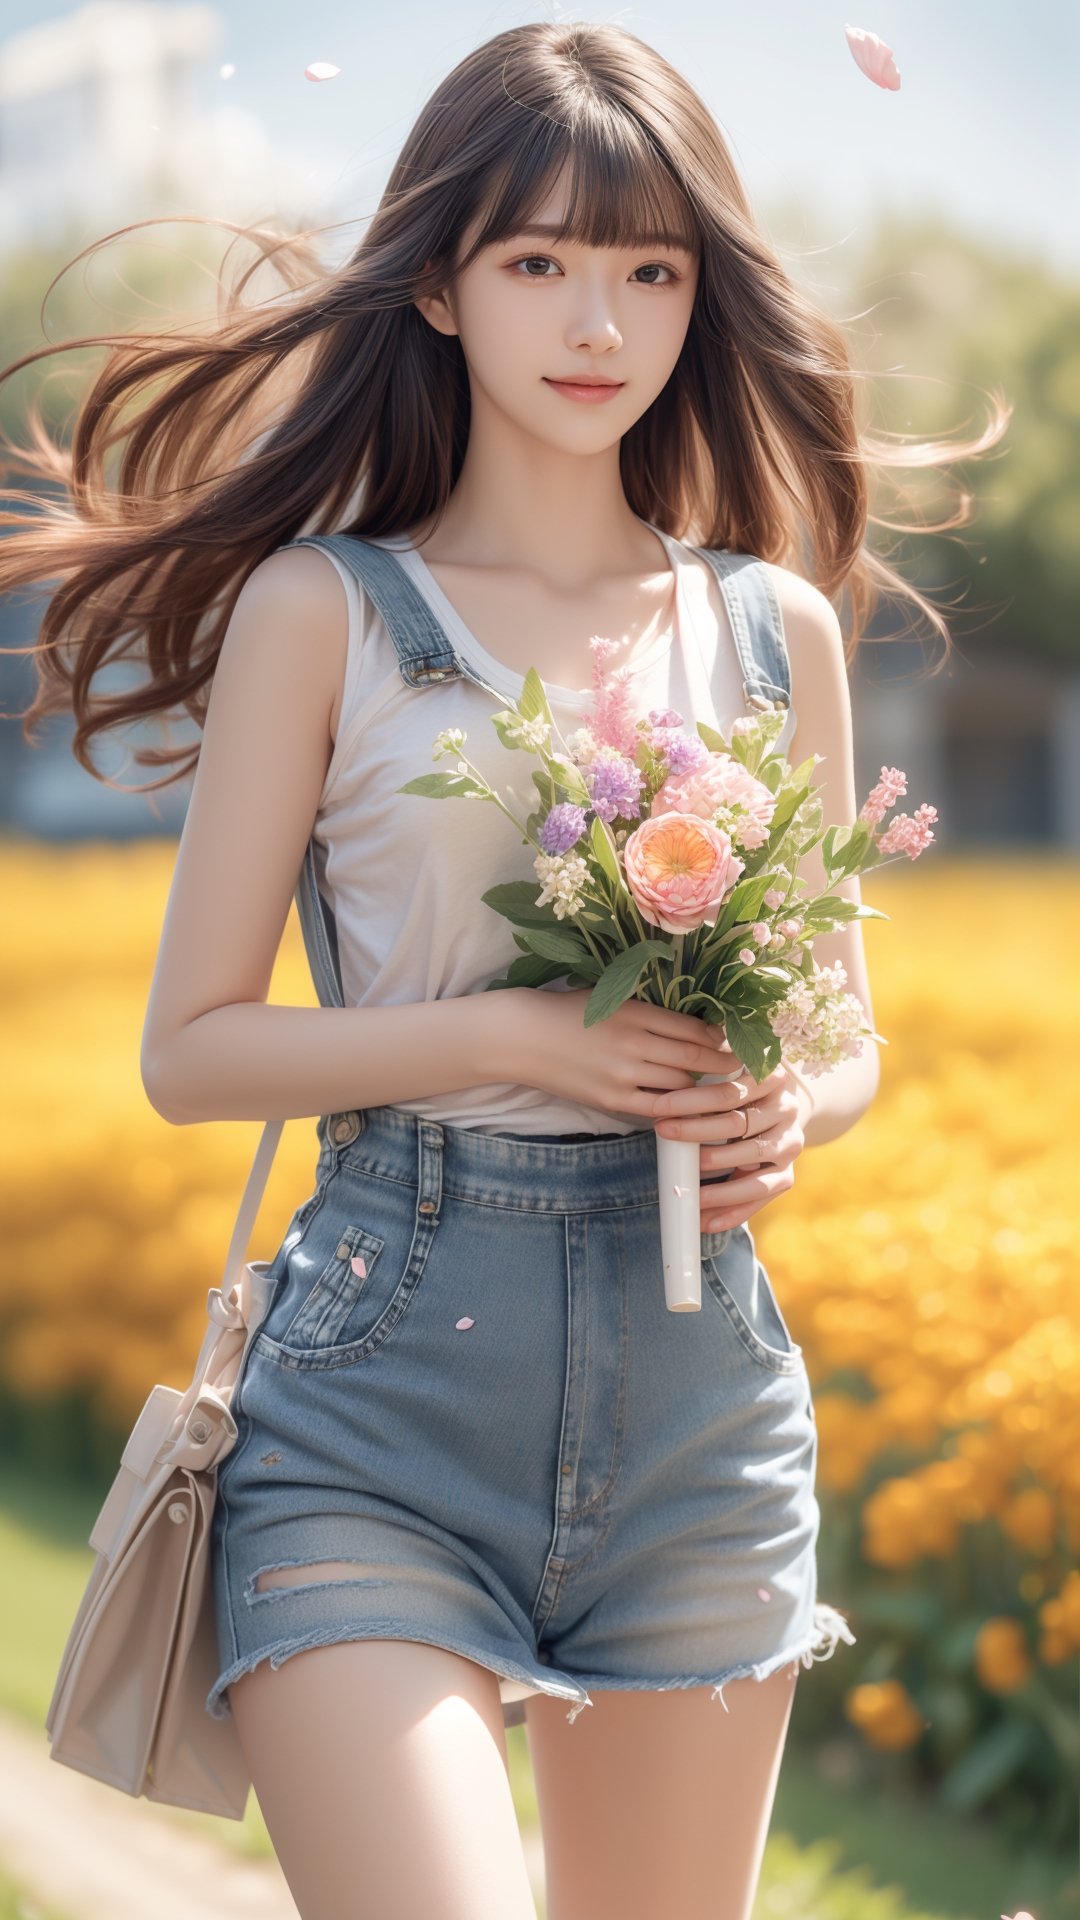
(704, 1097)
(739, 1197)
(766, 1150)
(737, 1192)
(713, 1118)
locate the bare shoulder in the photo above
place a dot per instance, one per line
(808, 616)
(292, 608)
(820, 691)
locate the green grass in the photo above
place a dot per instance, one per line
(834, 1851)
(17, 1903)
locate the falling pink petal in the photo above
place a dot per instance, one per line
(359, 1265)
(226, 72)
(462, 1324)
(320, 70)
(763, 1593)
(873, 58)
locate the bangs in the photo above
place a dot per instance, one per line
(620, 192)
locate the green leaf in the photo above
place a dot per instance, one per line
(621, 978)
(532, 970)
(991, 1763)
(713, 740)
(516, 901)
(753, 1042)
(503, 727)
(556, 943)
(604, 852)
(533, 703)
(444, 786)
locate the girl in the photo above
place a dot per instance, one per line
(563, 388)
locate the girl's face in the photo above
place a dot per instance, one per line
(532, 310)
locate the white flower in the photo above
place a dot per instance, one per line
(582, 745)
(450, 740)
(563, 875)
(535, 733)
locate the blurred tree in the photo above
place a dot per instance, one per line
(939, 312)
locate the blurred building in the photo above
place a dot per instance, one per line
(107, 115)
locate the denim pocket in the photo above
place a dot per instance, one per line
(349, 1274)
(741, 1284)
(327, 1314)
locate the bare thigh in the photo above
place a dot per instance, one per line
(659, 1803)
(380, 1769)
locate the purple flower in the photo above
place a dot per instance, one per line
(614, 785)
(684, 753)
(563, 827)
(664, 717)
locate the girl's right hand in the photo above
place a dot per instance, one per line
(619, 1064)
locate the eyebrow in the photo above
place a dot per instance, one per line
(540, 231)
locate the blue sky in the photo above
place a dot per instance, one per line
(983, 128)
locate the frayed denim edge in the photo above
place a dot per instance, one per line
(218, 1707)
(829, 1627)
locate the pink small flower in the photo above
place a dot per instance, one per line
(679, 869)
(774, 898)
(893, 783)
(909, 833)
(790, 929)
(874, 58)
(744, 724)
(747, 956)
(760, 931)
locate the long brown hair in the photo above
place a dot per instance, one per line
(341, 409)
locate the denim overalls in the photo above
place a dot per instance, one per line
(467, 1409)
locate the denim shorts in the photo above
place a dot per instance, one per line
(493, 1417)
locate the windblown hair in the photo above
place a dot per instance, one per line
(339, 408)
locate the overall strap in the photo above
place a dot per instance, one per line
(424, 655)
(756, 622)
(423, 648)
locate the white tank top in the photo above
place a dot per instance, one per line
(404, 874)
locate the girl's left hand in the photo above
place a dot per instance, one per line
(764, 1150)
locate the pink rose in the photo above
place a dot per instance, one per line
(679, 869)
(722, 782)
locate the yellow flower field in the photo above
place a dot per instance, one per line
(927, 1260)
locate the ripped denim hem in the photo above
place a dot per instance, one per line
(217, 1705)
(829, 1627)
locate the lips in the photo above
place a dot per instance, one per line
(582, 380)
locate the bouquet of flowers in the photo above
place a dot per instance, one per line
(668, 868)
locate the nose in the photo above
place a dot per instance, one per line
(594, 324)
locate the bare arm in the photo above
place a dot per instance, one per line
(211, 1048)
(821, 697)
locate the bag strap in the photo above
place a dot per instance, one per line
(425, 654)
